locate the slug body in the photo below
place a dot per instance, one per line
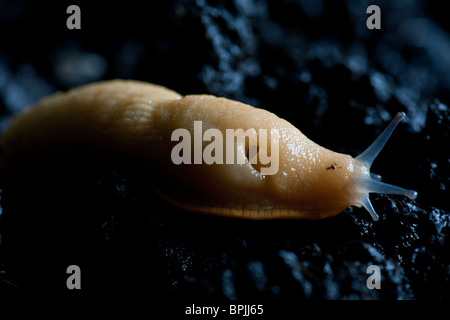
(137, 120)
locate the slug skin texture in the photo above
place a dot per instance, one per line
(136, 120)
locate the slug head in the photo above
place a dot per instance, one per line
(320, 183)
(363, 182)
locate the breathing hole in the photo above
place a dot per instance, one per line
(251, 158)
